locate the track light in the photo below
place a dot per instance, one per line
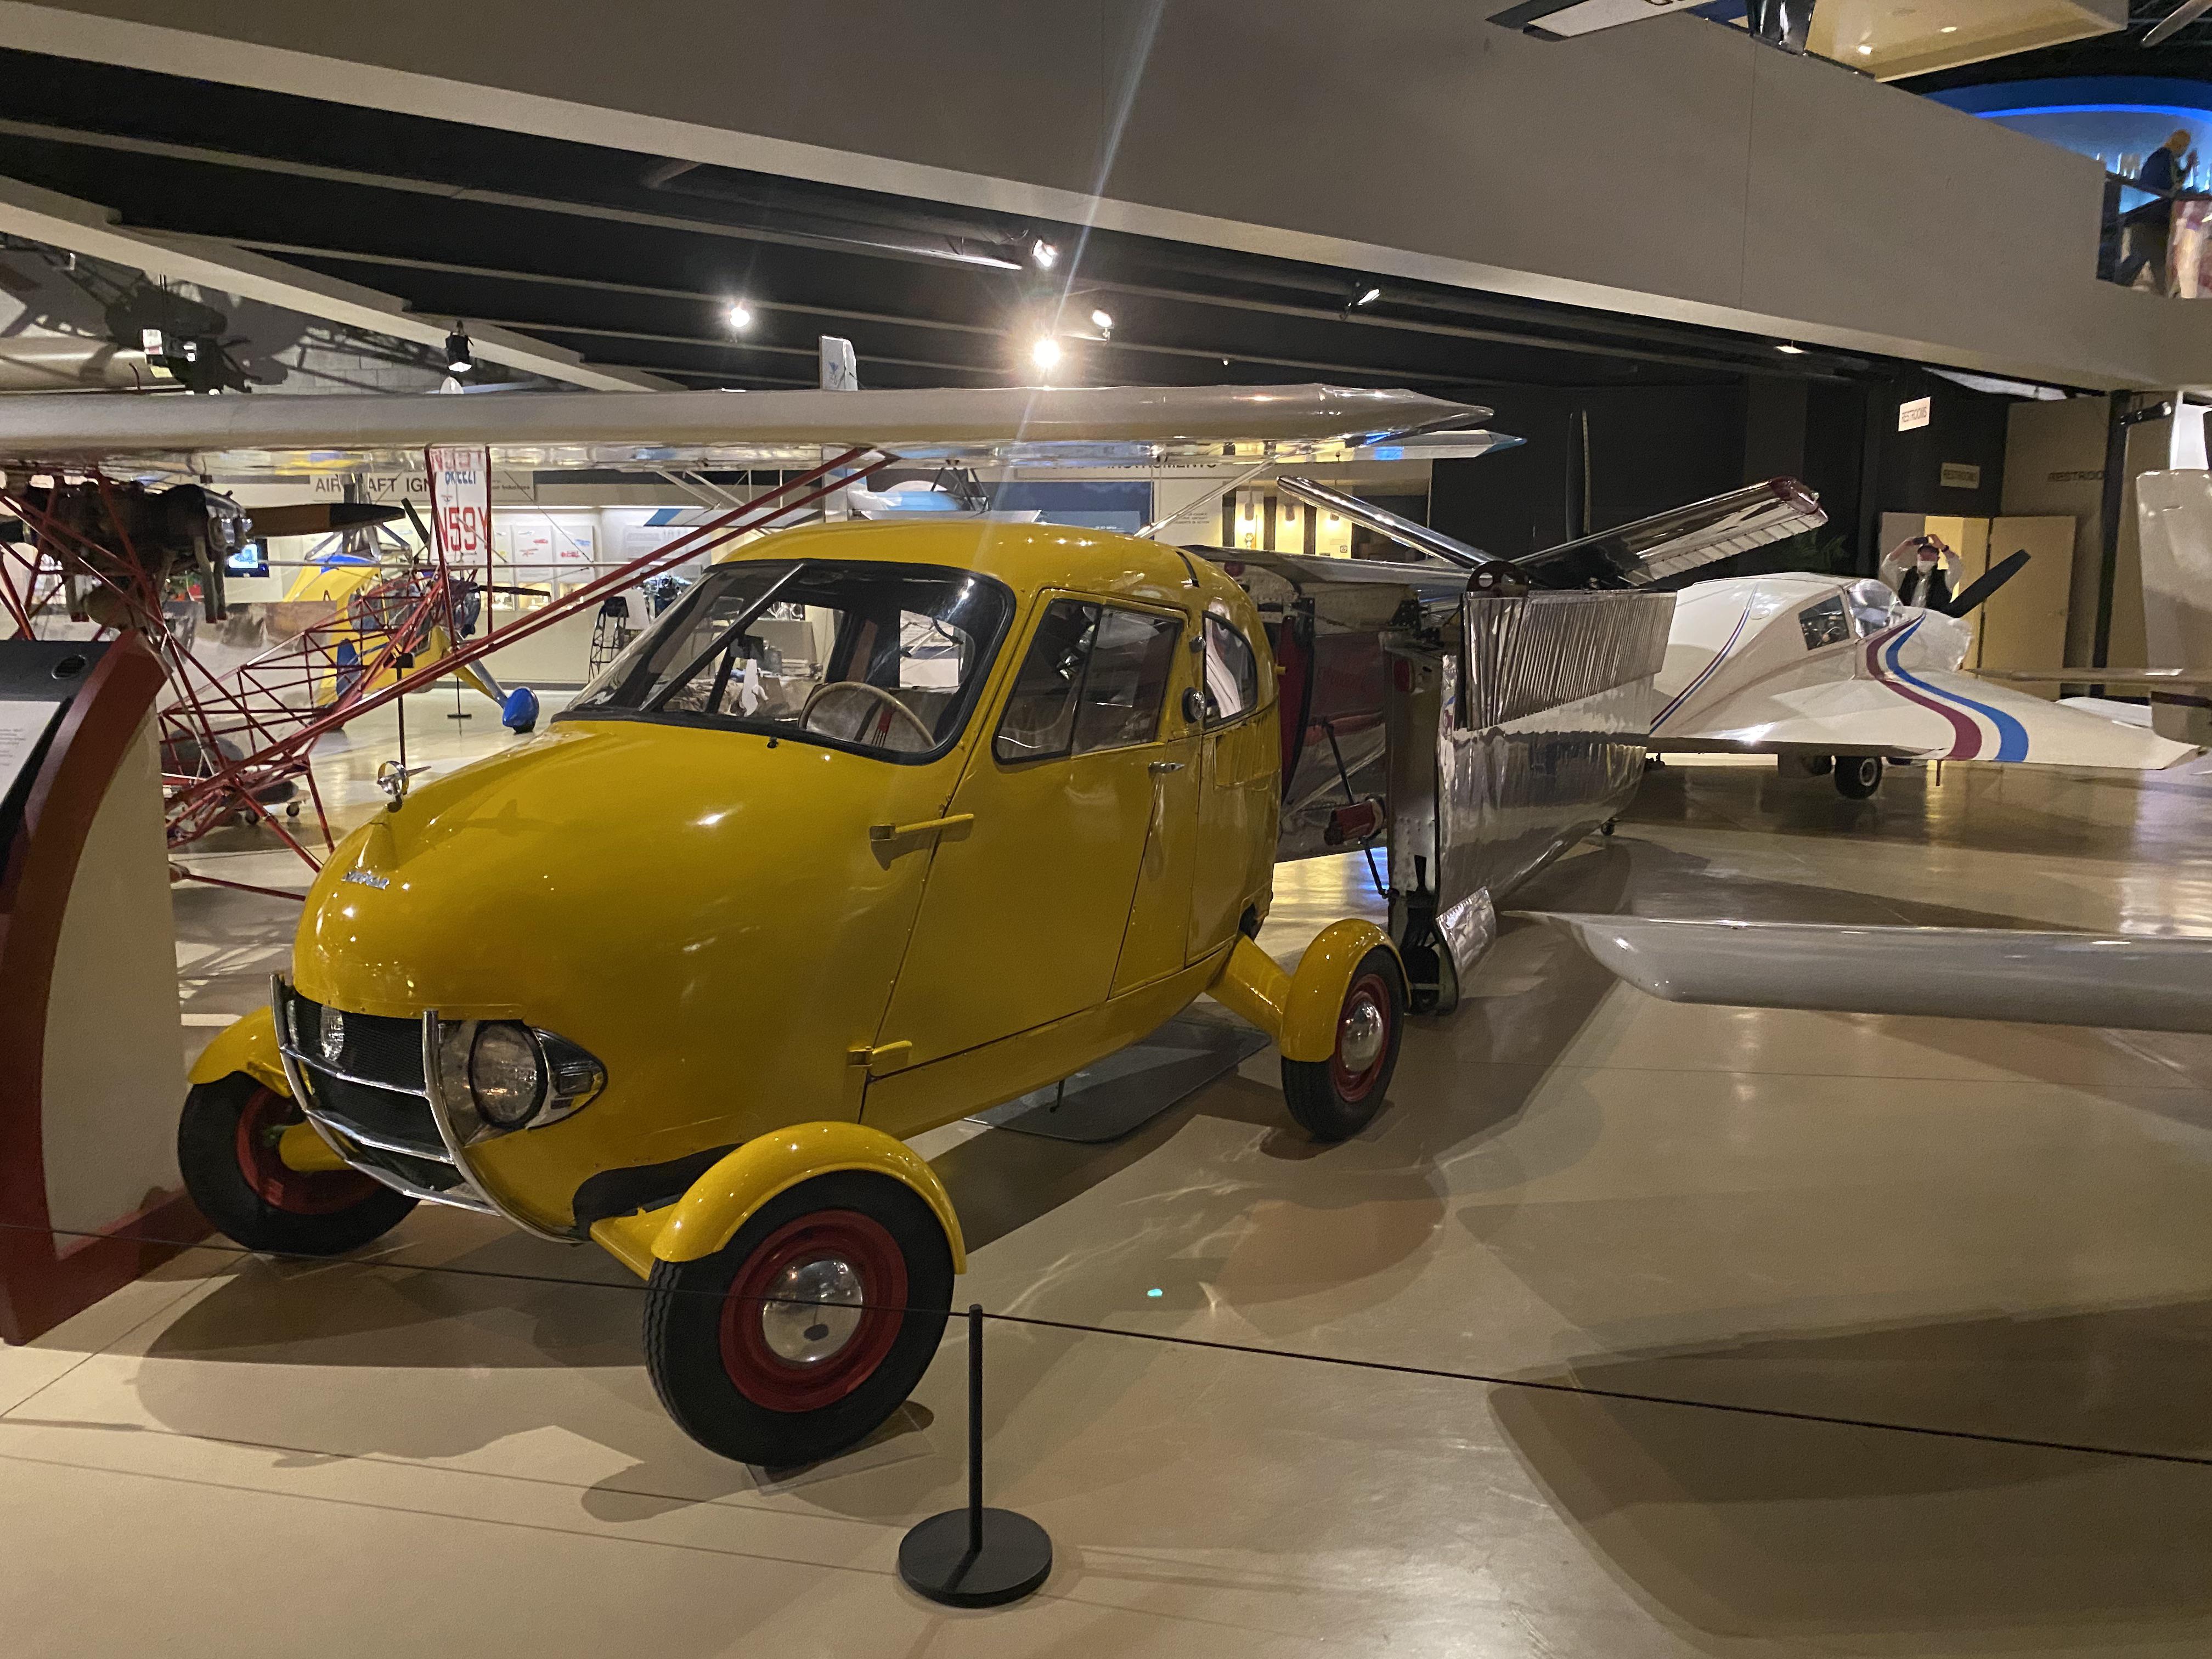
(1103, 321)
(1044, 253)
(739, 316)
(1045, 353)
(459, 360)
(1791, 350)
(1366, 296)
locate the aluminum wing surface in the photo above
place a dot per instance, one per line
(1668, 545)
(272, 434)
(1968, 973)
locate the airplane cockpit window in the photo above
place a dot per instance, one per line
(1232, 673)
(887, 658)
(1824, 623)
(1872, 604)
(1095, 677)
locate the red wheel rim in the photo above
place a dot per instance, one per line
(1368, 989)
(783, 1355)
(275, 1183)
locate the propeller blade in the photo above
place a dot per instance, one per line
(2176, 20)
(317, 518)
(1976, 593)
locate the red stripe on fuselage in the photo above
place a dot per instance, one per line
(1967, 734)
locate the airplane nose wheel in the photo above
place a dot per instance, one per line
(1339, 1096)
(1858, 776)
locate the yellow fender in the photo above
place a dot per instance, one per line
(723, 1200)
(1299, 1010)
(250, 1046)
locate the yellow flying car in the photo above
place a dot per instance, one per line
(880, 826)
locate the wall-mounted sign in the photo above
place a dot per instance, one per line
(1957, 474)
(460, 505)
(1917, 413)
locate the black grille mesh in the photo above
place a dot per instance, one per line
(385, 1050)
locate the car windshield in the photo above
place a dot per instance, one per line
(884, 658)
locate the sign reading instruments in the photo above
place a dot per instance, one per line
(1957, 474)
(1917, 414)
(460, 504)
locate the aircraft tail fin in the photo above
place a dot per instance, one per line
(2175, 513)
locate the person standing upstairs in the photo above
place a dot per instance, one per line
(2150, 227)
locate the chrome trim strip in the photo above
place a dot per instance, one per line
(381, 1145)
(444, 1119)
(459, 1199)
(329, 1069)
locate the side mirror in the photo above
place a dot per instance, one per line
(1193, 707)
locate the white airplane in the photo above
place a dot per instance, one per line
(1829, 670)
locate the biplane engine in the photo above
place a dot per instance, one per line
(126, 548)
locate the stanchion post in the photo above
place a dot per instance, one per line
(976, 1557)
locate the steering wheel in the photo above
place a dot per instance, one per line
(806, 713)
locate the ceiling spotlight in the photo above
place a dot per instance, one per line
(1103, 321)
(459, 360)
(1046, 255)
(1045, 353)
(1866, 51)
(1367, 296)
(1792, 350)
(739, 315)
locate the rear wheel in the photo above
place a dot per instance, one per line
(799, 1336)
(1339, 1096)
(1858, 776)
(226, 1152)
(1815, 766)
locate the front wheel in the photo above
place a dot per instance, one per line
(799, 1336)
(1339, 1096)
(1858, 776)
(226, 1152)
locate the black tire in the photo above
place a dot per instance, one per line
(1816, 766)
(1605, 829)
(226, 1149)
(1858, 776)
(711, 1355)
(1328, 1098)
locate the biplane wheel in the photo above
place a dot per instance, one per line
(1607, 828)
(227, 1151)
(1858, 776)
(799, 1336)
(291, 809)
(1339, 1096)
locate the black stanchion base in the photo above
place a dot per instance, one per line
(934, 1559)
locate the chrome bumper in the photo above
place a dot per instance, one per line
(470, 1191)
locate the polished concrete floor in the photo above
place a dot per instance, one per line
(1628, 1329)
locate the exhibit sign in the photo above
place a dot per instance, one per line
(460, 506)
(1916, 414)
(23, 726)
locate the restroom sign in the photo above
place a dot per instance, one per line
(1916, 414)
(460, 504)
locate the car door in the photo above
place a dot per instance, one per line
(1239, 770)
(1029, 893)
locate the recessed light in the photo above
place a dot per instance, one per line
(739, 315)
(1866, 51)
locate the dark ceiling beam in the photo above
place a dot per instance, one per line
(205, 155)
(1460, 331)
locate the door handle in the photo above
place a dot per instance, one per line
(901, 832)
(1160, 768)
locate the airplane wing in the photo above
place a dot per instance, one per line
(2182, 680)
(1929, 713)
(1563, 19)
(1681, 540)
(259, 436)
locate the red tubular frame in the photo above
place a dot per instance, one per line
(251, 700)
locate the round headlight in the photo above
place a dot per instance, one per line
(505, 1075)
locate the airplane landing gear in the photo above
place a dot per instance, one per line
(1858, 776)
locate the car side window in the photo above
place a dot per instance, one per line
(1232, 673)
(1095, 677)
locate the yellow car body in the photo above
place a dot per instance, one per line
(787, 957)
